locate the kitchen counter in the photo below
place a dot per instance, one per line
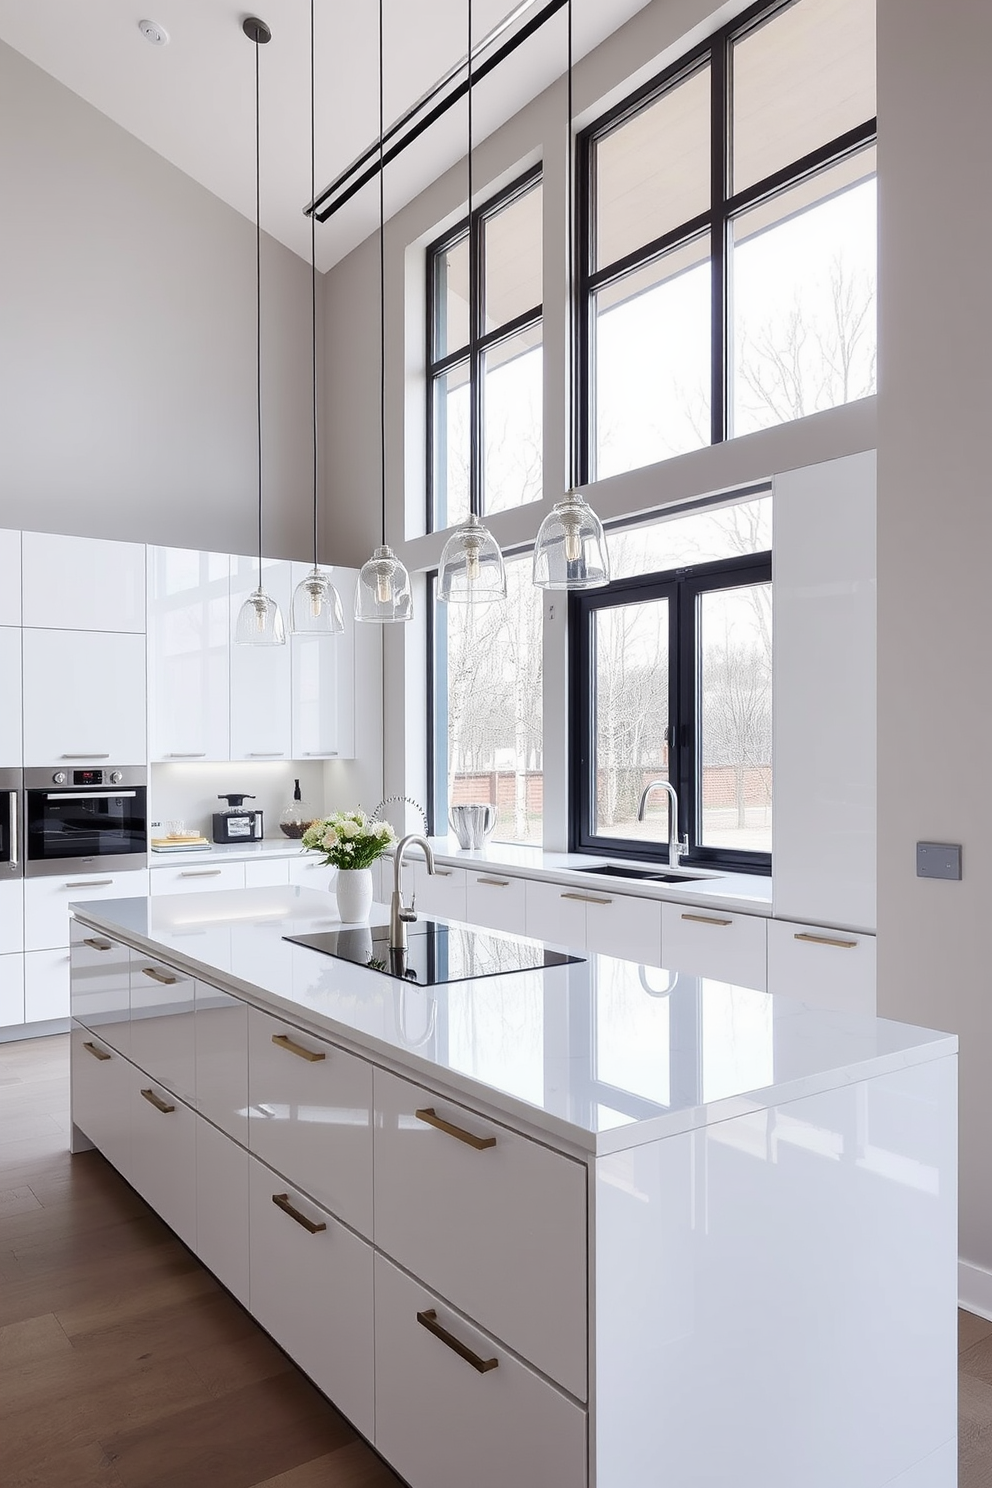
(601, 1054)
(227, 852)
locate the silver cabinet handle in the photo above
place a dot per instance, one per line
(319, 753)
(827, 940)
(100, 795)
(267, 754)
(443, 873)
(706, 919)
(586, 898)
(14, 845)
(196, 754)
(496, 883)
(199, 872)
(88, 883)
(84, 756)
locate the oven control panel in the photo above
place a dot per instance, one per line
(88, 777)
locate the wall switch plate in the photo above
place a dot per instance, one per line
(938, 860)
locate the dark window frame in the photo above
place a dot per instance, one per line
(716, 222)
(682, 587)
(479, 343)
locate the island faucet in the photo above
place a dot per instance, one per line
(676, 845)
(400, 914)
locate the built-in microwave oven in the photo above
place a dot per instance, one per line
(85, 820)
(11, 836)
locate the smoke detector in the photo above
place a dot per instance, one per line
(153, 32)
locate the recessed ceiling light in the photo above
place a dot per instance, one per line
(153, 32)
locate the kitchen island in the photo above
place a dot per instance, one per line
(596, 1224)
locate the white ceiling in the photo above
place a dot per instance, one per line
(193, 100)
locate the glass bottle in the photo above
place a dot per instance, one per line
(297, 816)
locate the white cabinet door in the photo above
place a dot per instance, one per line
(84, 698)
(497, 900)
(311, 1288)
(829, 968)
(261, 686)
(623, 925)
(163, 1153)
(190, 880)
(11, 991)
(162, 1024)
(101, 1096)
(46, 985)
(265, 873)
(443, 892)
(10, 577)
(83, 583)
(556, 914)
(222, 1208)
(714, 943)
(444, 1421)
(47, 900)
(324, 681)
(10, 713)
(189, 641)
(101, 985)
(222, 1060)
(11, 915)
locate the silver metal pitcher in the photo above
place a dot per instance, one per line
(472, 825)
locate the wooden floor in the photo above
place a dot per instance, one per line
(123, 1364)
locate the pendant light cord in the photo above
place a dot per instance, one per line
(258, 302)
(382, 269)
(313, 264)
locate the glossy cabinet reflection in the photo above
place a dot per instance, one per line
(222, 1060)
(162, 1027)
(101, 985)
(101, 1095)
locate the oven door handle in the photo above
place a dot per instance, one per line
(79, 795)
(14, 856)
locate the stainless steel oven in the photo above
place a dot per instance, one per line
(89, 820)
(11, 834)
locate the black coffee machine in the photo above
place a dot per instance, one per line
(239, 823)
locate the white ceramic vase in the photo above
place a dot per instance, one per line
(353, 888)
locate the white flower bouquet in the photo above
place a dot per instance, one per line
(349, 839)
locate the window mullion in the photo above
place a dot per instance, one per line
(720, 116)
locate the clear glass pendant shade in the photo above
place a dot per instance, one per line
(260, 621)
(316, 608)
(383, 593)
(472, 570)
(571, 550)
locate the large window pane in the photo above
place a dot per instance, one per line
(652, 363)
(631, 700)
(800, 80)
(451, 299)
(804, 271)
(512, 256)
(489, 701)
(698, 537)
(652, 172)
(451, 446)
(513, 380)
(735, 722)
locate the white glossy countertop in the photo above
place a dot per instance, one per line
(599, 1053)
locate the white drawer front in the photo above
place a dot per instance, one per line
(500, 1230)
(311, 1288)
(46, 985)
(101, 1096)
(497, 900)
(443, 892)
(11, 991)
(714, 943)
(221, 1029)
(556, 913)
(163, 1153)
(310, 873)
(443, 1423)
(222, 1208)
(310, 1115)
(623, 926)
(162, 1028)
(101, 985)
(265, 873)
(192, 879)
(47, 900)
(830, 968)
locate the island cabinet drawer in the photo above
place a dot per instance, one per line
(310, 1115)
(101, 1095)
(197, 878)
(100, 978)
(498, 901)
(222, 1175)
(454, 1408)
(163, 1153)
(311, 1287)
(162, 1027)
(828, 968)
(714, 943)
(221, 1029)
(490, 1219)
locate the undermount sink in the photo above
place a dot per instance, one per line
(652, 875)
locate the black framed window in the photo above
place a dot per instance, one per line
(672, 680)
(727, 238)
(485, 358)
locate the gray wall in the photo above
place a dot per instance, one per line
(127, 353)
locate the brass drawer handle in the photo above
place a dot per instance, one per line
(497, 883)
(159, 976)
(97, 1053)
(431, 1117)
(442, 873)
(586, 898)
(158, 1102)
(842, 945)
(285, 1042)
(706, 919)
(428, 1320)
(281, 1201)
(98, 945)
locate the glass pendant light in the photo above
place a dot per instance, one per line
(259, 620)
(383, 592)
(571, 551)
(472, 569)
(316, 607)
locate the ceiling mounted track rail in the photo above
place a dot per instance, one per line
(486, 57)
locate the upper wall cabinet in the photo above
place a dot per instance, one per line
(261, 687)
(189, 633)
(324, 680)
(824, 729)
(81, 583)
(10, 578)
(10, 711)
(84, 698)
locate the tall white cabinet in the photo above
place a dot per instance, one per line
(323, 720)
(10, 578)
(261, 676)
(10, 710)
(188, 655)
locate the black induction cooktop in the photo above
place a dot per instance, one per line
(436, 953)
